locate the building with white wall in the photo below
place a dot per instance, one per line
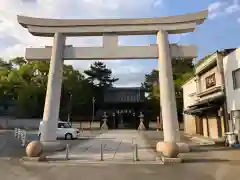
(189, 98)
(231, 66)
(205, 111)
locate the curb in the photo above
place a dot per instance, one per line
(35, 161)
(200, 140)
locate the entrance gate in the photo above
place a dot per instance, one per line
(110, 29)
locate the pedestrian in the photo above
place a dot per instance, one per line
(158, 123)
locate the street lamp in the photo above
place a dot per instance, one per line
(93, 109)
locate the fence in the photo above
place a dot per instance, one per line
(135, 154)
(108, 149)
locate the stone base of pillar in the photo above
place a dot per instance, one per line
(176, 160)
(183, 147)
(51, 146)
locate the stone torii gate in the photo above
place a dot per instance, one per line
(110, 29)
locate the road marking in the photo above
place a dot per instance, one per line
(117, 149)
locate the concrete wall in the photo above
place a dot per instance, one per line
(189, 98)
(189, 93)
(9, 123)
(231, 63)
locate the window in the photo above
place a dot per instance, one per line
(60, 125)
(210, 81)
(64, 125)
(236, 78)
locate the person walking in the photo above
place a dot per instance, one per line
(158, 123)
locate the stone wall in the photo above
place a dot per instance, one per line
(10, 123)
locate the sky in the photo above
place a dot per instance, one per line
(219, 31)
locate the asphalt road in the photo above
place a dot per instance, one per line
(197, 171)
(208, 163)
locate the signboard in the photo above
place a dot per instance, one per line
(210, 81)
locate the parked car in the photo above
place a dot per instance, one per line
(64, 130)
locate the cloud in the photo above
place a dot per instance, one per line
(215, 9)
(233, 7)
(28, 1)
(238, 20)
(157, 3)
(14, 39)
(214, 6)
(221, 8)
(8, 41)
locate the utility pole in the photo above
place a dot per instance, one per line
(93, 111)
(69, 107)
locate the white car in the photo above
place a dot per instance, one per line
(64, 130)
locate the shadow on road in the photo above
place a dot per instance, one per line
(196, 160)
(211, 148)
(10, 146)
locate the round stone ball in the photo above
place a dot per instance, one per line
(168, 149)
(34, 149)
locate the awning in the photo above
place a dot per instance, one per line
(209, 101)
(202, 110)
(189, 110)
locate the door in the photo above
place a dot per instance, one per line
(199, 125)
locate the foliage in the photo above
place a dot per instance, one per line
(100, 74)
(203, 60)
(24, 83)
(182, 70)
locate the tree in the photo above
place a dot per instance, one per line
(24, 84)
(5, 65)
(151, 84)
(77, 92)
(182, 70)
(101, 78)
(18, 61)
(100, 74)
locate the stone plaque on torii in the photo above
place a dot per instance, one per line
(110, 29)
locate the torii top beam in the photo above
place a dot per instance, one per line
(98, 27)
